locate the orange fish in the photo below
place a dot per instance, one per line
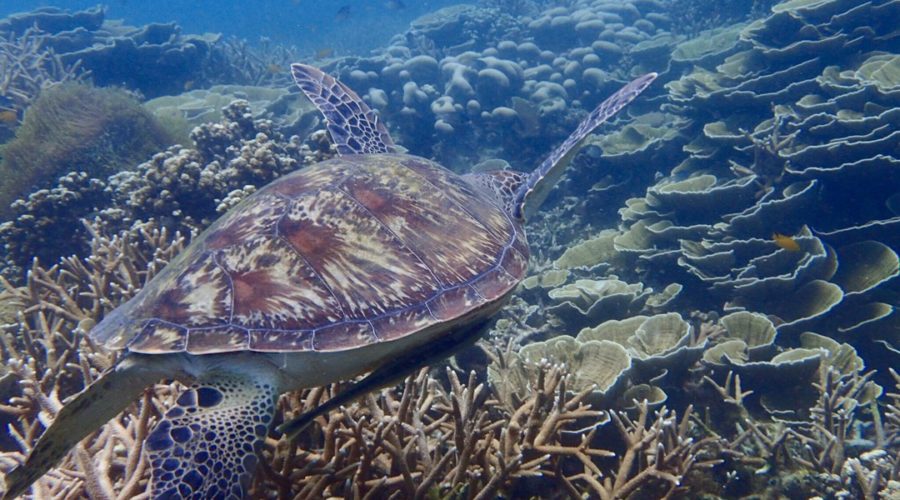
(323, 53)
(786, 242)
(274, 69)
(8, 116)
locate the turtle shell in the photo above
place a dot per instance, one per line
(349, 252)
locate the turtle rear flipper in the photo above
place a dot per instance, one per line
(90, 409)
(208, 444)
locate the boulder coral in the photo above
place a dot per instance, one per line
(480, 75)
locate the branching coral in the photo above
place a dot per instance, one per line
(834, 415)
(827, 455)
(892, 422)
(266, 64)
(183, 187)
(768, 165)
(27, 67)
(659, 449)
(424, 438)
(458, 441)
(48, 222)
(48, 352)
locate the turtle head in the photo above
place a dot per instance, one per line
(534, 190)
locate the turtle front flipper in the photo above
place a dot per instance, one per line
(539, 183)
(207, 445)
(354, 127)
(90, 409)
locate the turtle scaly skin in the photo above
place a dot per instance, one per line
(373, 262)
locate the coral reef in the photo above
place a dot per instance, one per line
(686, 353)
(435, 434)
(423, 438)
(154, 59)
(26, 67)
(184, 189)
(76, 126)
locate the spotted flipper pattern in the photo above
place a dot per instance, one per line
(354, 127)
(208, 444)
(535, 190)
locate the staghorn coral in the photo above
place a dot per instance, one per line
(27, 67)
(421, 439)
(263, 65)
(47, 351)
(153, 59)
(824, 456)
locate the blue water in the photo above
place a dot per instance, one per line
(310, 25)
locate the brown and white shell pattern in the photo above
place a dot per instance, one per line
(349, 252)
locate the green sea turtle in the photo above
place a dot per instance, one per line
(372, 262)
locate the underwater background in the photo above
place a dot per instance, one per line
(712, 305)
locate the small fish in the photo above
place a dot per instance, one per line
(323, 53)
(343, 13)
(8, 117)
(786, 242)
(188, 85)
(395, 5)
(274, 68)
